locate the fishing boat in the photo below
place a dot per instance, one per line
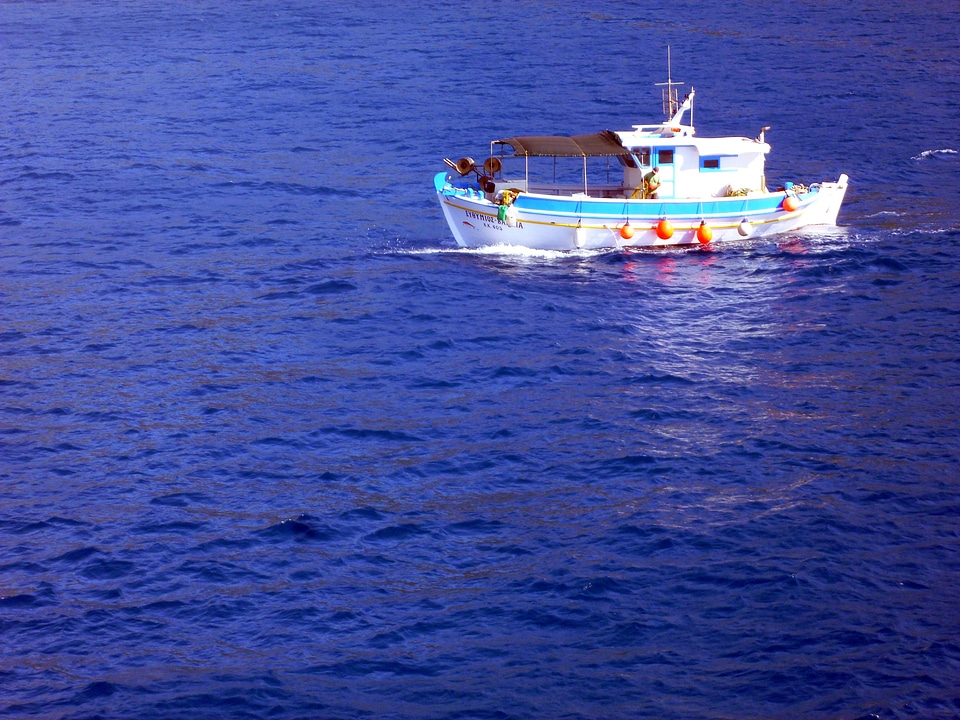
(671, 187)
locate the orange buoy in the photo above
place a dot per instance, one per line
(790, 203)
(626, 230)
(704, 233)
(664, 229)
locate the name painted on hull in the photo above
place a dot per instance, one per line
(490, 222)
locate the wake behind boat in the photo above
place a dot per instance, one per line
(674, 189)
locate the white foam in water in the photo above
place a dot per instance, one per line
(515, 251)
(520, 251)
(933, 153)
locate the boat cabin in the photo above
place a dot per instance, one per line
(688, 166)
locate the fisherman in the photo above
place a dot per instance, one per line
(651, 184)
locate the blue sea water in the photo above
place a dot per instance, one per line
(271, 446)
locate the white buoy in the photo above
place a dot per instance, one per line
(580, 235)
(745, 228)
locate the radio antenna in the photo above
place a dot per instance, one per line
(669, 94)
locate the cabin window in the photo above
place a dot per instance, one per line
(665, 157)
(710, 163)
(643, 155)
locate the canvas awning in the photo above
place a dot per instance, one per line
(603, 144)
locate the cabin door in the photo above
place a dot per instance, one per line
(663, 158)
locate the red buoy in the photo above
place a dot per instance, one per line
(626, 231)
(664, 229)
(704, 233)
(790, 203)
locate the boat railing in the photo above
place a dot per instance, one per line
(595, 190)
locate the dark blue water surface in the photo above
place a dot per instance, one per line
(272, 447)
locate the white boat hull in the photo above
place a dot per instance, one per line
(545, 222)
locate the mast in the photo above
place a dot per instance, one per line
(671, 97)
(669, 94)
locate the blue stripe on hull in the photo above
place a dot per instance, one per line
(606, 210)
(566, 223)
(651, 209)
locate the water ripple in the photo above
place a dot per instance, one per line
(271, 446)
